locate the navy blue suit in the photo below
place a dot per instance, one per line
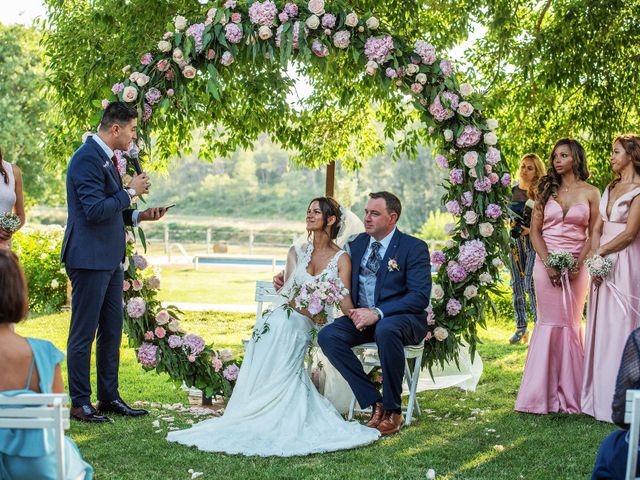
(92, 251)
(402, 296)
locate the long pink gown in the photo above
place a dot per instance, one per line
(552, 377)
(613, 312)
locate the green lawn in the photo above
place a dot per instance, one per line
(462, 436)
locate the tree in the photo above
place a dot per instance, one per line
(22, 106)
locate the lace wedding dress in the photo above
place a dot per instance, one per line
(275, 410)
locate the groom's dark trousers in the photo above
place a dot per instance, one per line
(402, 295)
(93, 250)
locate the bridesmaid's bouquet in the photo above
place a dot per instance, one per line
(598, 266)
(319, 297)
(560, 260)
(9, 222)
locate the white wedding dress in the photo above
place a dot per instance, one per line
(275, 410)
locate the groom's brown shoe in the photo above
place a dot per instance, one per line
(391, 423)
(377, 414)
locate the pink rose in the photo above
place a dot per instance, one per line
(216, 363)
(191, 358)
(236, 17)
(170, 92)
(163, 65)
(148, 336)
(160, 332)
(126, 285)
(137, 285)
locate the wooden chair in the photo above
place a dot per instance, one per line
(38, 411)
(366, 353)
(632, 417)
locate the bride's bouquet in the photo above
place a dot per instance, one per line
(598, 266)
(9, 222)
(560, 260)
(319, 297)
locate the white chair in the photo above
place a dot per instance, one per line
(368, 354)
(632, 417)
(38, 411)
(264, 293)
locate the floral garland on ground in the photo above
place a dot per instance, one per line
(477, 187)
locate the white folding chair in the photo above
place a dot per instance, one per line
(368, 355)
(38, 411)
(632, 417)
(264, 293)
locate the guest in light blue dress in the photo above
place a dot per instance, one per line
(29, 366)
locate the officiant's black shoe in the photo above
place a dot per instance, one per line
(86, 413)
(377, 414)
(120, 408)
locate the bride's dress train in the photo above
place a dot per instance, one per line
(275, 410)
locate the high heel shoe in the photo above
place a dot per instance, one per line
(521, 335)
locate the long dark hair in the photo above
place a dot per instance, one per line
(3, 172)
(13, 289)
(329, 207)
(550, 183)
(631, 144)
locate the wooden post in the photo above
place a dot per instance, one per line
(330, 182)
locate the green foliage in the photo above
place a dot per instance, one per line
(39, 254)
(433, 228)
(22, 104)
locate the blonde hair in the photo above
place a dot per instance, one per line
(540, 171)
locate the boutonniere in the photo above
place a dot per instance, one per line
(393, 265)
(106, 164)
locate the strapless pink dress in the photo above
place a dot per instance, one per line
(613, 312)
(552, 377)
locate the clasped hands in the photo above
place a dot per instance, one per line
(363, 317)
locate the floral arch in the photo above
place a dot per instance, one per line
(274, 33)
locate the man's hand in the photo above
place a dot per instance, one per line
(363, 317)
(152, 214)
(278, 280)
(4, 235)
(140, 183)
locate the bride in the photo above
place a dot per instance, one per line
(275, 410)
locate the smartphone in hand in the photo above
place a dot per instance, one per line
(169, 206)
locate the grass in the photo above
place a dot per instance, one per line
(474, 435)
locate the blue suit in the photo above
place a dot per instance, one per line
(402, 295)
(92, 251)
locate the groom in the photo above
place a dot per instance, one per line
(390, 286)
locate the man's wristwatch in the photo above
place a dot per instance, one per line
(131, 192)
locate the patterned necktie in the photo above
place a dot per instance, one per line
(114, 160)
(373, 262)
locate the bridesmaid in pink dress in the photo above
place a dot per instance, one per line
(614, 302)
(566, 208)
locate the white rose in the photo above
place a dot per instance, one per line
(492, 124)
(470, 159)
(437, 292)
(351, 20)
(178, 56)
(448, 135)
(316, 6)
(466, 89)
(373, 23)
(142, 80)
(265, 33)
(470, 217)
(486, 229)
(134, 76)
(212, 12)
(174, 325)
(421, 78)
(412, 69)
(313, 22)
(473, 173)
(490, 138)
(470, 292)
(440, 334)
(496, 262)
(189, 71)
(465, 109)
(129, 94)
(54, 283)
(449, 228)
(164, 46)
(126, 68)
(371, 67)
(180, 22)
(485, 278)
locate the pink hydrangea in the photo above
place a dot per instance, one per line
(175, 341)
(472, 255)
(291, 9)
(153, 96)
(454, 307)
(148, 355)
(197, 31)
(328, 20)
(439, 111)
(493, 211)
(194, 344)
(445, 68)
(493, 155)
(482, 184)
(263, 13)
(140, 262)
(377, 49)
(233, 33)
(283, 17)
(456, 176)
(437, 258)
(136, 307)
(391, 73)
(469, 137)
(146, 59)
(431, 319)
(230, 4)
(148, 336)
(231, 372)
(467, 198)
(342, 39)
(216, 363)
(442, 161)
(147, 111)
(456, 272)
(117, 88)
(453, 207)
(227, 58)
(426, 51)
(506, 180)
(319, 49)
